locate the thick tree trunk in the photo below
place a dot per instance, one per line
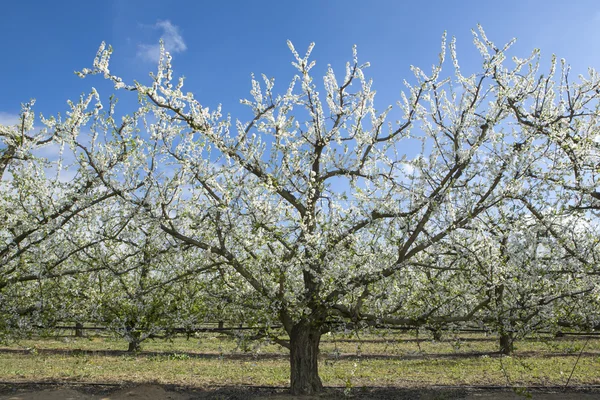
(304, 352)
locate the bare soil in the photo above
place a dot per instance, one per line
(25, 391)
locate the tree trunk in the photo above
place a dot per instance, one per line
(78, 329)
(437, 334)
(134, 339)
(506, 343)
(134, 347)
(304, 352)
(506, 340)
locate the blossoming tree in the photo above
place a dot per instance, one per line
(320, 208)
(56, 185)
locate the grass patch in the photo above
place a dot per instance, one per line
(214, 360)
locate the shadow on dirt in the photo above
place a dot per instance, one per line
(59, 391)
(278, 356)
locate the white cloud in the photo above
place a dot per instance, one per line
(8, 119)
(408, 169)
(171, 37)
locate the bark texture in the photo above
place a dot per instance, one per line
(304, 354)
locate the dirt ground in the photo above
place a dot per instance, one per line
(157, 392)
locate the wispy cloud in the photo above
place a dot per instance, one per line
(171, 38)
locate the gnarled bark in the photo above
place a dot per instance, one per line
(304, 353)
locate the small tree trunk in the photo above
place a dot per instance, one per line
(506, 343)
(134, 347)
(304, 352)
(78, 329)
(134, 338)
(437, 334)
(221, 324)
(506, 340)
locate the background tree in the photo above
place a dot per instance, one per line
(56, 182)
(562, 184)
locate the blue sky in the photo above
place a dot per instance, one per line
(217, 44)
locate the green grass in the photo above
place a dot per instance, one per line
(214, 360)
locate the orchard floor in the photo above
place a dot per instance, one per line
(24, 391)
(376, 366)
